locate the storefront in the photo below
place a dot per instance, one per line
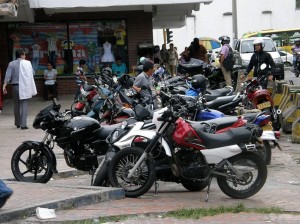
(99, 42)
(63, 32)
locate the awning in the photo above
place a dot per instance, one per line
(166, 13)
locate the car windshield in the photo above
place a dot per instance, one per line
(247, 46)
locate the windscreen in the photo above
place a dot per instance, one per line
(247, 46)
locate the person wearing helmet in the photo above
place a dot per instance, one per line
(258, 58)
(225, 40)
(296, 53)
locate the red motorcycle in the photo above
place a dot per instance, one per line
(192, 155)
(258, 98)
(85, 100)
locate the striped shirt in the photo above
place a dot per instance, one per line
(12, 72)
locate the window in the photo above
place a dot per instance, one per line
(297, 4)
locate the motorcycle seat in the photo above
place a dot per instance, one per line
(231, 137)
(219, 101)
(104, 131)
(250, 117)
(216, 93)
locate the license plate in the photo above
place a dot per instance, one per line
(264, 105)
(268, 127)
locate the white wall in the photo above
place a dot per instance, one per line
(211, 22)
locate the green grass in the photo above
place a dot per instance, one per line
(202, 212)
(190, 213)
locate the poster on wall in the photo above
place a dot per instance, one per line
(41, 43)
(98, 42)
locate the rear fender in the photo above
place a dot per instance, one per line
(42, 146)
(268, 136)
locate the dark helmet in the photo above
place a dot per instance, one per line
(199, 81)
(126, 81)
(224, 39)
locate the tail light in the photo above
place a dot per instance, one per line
(277, 134)
(264, 122)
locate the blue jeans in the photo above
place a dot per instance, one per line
(5, 193)
(52, 58)
(35, 63)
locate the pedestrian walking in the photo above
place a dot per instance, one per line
(20, 73)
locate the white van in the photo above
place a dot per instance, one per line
(245, 49)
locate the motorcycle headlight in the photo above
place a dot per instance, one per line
(114, 136)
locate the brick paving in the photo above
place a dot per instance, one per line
(281, 189)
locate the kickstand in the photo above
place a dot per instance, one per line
(156, 185)
(208, 188)
(92, 172)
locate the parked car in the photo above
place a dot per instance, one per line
(287, 58)
(245, 48)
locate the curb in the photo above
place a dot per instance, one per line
(98, 195)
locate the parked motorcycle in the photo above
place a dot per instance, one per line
(192, 155)
(81, 138)
(258, 98)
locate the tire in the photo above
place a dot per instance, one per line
(192, 185)
(231, 190)
(287, 64)
(264, 151)
(28, 169)
(118, 169)
(101, 176)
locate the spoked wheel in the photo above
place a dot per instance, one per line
(29, 164)
(246, 179)
(143, 178)
(264, 151)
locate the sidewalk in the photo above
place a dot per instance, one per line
(74, 198)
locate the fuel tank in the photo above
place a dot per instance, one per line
(79, 128)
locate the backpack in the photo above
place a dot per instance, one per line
(228, 62)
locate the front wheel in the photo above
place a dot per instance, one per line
(101, 175)
(142, 179)
(31, 164)
(246, 179)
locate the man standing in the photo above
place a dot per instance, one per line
(172, 59)
(19, 73)
(296, 53)
(225, 40)
(258, 58)
(50, 75)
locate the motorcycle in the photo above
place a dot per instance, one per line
(81, 138)
(193, 156)
(258, 98)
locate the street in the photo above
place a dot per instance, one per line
(281, 189)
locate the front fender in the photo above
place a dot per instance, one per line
(42, 146)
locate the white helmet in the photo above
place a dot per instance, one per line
(259, 41)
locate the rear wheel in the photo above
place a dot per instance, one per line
(30, 164)
(247, 178)
(142, 179)
(265, 151)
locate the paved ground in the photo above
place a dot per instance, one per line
(281, 189)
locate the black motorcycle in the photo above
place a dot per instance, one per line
(81, 138)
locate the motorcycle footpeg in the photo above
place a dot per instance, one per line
(249, 147)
